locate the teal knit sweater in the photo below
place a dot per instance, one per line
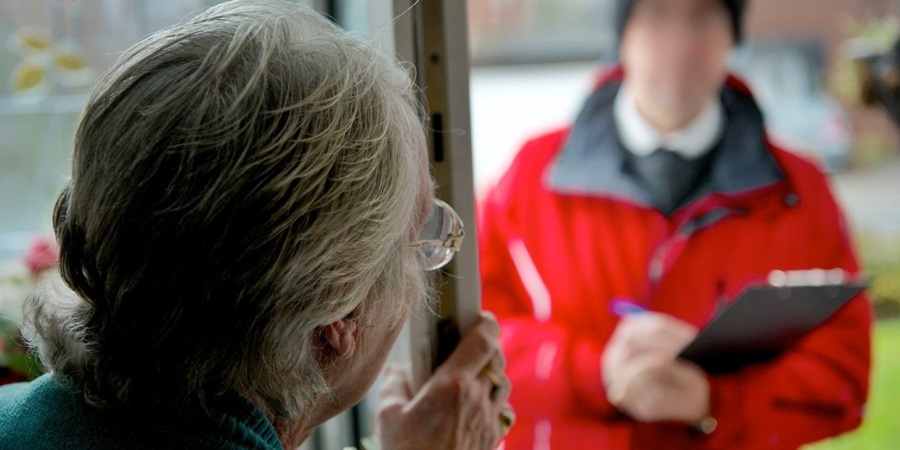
(48, 414)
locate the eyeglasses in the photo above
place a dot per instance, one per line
(441, 236)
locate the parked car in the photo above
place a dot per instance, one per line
(788, 79)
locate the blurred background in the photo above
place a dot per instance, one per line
(533, 61)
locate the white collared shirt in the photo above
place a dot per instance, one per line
(642, 139)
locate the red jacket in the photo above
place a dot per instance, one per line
(563, 233)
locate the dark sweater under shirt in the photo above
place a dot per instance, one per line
(669, 177)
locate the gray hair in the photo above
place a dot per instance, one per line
(238, 181)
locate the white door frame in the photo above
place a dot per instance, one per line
(432, 35)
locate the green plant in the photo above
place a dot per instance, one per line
(879, 429)
(881, 259)
(846, 82)
(17, 355)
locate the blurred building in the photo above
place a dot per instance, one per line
(807, 34)
(528, 31)
(830, 23)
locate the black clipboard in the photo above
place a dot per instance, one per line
(767, 319)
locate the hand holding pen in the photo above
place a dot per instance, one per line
(641, 372)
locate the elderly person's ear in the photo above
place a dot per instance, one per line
(340, 338)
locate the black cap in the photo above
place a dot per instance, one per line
(735, 7)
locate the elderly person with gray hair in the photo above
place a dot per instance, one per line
(248, 224)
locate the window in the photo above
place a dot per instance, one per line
(53, 51)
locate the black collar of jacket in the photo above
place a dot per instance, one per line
(592, 163)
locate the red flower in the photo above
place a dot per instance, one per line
(43, 255)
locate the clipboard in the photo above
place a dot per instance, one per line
(767, 319)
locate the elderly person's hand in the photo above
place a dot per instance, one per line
(643, 376)
(458, 408)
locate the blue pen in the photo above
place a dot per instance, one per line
(623, 307)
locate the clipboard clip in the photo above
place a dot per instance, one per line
(831, 279)
(810, 278)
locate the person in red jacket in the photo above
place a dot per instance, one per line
(665, 193)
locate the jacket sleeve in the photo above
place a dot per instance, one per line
(819, 388)
(553, 367)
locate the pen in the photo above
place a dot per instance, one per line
(622, 307)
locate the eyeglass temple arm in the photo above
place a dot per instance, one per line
(453, 242)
